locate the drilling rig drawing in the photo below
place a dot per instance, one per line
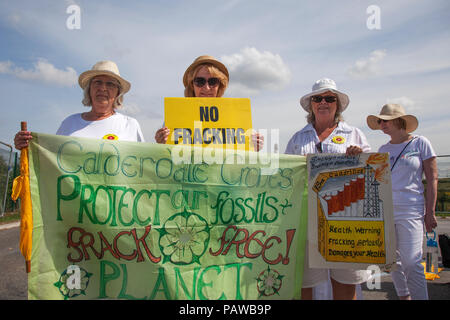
(373, 205)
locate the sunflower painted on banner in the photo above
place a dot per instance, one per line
(338, 139)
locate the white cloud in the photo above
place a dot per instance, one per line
(406, 102)
(131, 109)
(42, 71)
(252, 71)
(13, 19)
(367, 67)
(230, 5)
(5, 66)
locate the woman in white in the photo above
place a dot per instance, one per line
(410, 157)
(327, 132)
(103, 91)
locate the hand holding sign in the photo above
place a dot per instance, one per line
(258, 141)
(162, 135)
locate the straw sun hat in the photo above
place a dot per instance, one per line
(393, 111)
(321, 86)
(104, 68)
(202, 60)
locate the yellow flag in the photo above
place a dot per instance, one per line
(21, 188)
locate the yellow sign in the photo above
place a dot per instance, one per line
(351, 241)
(209, 122)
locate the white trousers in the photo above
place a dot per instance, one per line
(409, 278)
(324, 291)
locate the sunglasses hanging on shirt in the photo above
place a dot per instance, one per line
(319, 147)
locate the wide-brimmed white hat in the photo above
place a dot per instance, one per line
(104, 68)
(393, 111)
(321, 86)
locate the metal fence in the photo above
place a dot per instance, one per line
(443, 164)
(443, 192)
(8, 171)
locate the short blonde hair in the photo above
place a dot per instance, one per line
(215, 72)
(118, 101)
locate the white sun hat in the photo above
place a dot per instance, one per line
(321, 86)
(104, 68)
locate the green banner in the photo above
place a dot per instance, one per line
(126, 220)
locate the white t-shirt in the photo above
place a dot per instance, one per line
(115, 127)
(305, 141)
(406, 176)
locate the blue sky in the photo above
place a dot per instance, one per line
(275, 50)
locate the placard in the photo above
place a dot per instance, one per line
(350, 222)
(209, 122)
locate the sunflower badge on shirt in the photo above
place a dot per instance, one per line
(110, 136)
(338, 139)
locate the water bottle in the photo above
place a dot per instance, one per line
(432, 253)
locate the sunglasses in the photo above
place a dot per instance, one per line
(319, 147)
(319, 99)
(200, 82)
(109, 84)
(382, 120)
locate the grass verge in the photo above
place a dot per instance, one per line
(9, 217)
